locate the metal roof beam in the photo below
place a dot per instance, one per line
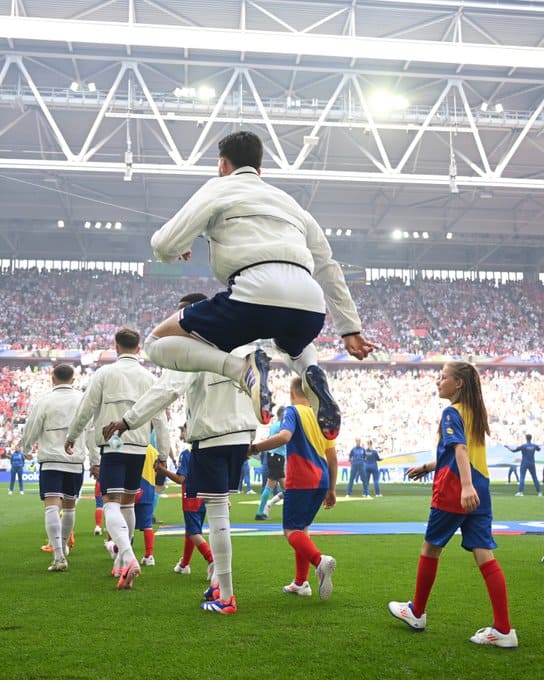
(269, 42)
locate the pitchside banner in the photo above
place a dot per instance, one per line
(28, 476)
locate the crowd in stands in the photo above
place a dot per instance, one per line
(78, 310)
(397, 409)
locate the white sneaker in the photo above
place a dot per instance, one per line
(403, 611)
(211, 568)
(254, 381)
(304, 590)
(491, 636)
(58, 565)
(10, 493)
(22, 493)
(324, 571)
(182, 570)
(148, 561)
(250, 492)
(98, 531)
(519, 493)
(539, 493)
(266, 511)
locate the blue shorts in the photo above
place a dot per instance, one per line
(215, 472)
(300, 506)
(194, 521)
(475, 529)
(228, 324)
(121, 472)
(55, 483)
(144, 516)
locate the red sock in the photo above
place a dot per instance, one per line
(188, 548)
(496, 587)
(205, 550)
(149, 541)
(98, 517)
(306, 553)
(426, 574)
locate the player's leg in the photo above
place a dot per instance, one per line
(51, 495)
(477, 536)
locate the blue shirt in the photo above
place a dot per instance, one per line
(357, 454)
(17, 459)
(372, 457)
(274, 429)
(528, 451)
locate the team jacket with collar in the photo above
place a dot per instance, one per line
(112, 390)
(247, 222)
(47, 424)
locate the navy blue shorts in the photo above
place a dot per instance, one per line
(300, 506)
(194, 520)
(121, 472)
(475, 529)
(55, 483)
(228, 324)
(144, 515)
(215, 472)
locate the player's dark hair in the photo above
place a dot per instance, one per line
(280, 412)
(242, 148)
(63, 372)
(127, 338)
(529, 437)
(190, 299)
(470, 395)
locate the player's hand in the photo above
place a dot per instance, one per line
(417, 472)
(108, 430)
(185, 256)
(358, 346)
(330, 499)
(95, 471)
(159, 465)
(469, 498)
(69, 447)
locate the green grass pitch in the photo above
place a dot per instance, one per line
(76, 625)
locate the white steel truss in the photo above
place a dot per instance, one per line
(291, 127)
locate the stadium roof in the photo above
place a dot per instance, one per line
(410, 116)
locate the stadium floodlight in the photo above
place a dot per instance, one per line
(328, 231)
(87, 225)
(396, 234)
(425, 234)
(98, 225)
(415, 234)
(74, 86)
(60, 224)
(108, 225)
(348, 232)
(339, 232)
(205, 93)
(118, 225)
(499, 108)
(484, 106)
(384, 102)
(405, 234)
(449, 235)
(91, 87)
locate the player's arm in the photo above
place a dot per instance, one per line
(33, 428)
(85, 411)
(273, 442)
(469, 496)
(332, 464)
(160, 466)
(420, 471)
(175, 237)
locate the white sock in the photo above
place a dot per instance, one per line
(67, 524)
(118, 530)
(276, 499)
(220, 543)
(181, 353)
(301, 363)
(53, 529)
(129, 516)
